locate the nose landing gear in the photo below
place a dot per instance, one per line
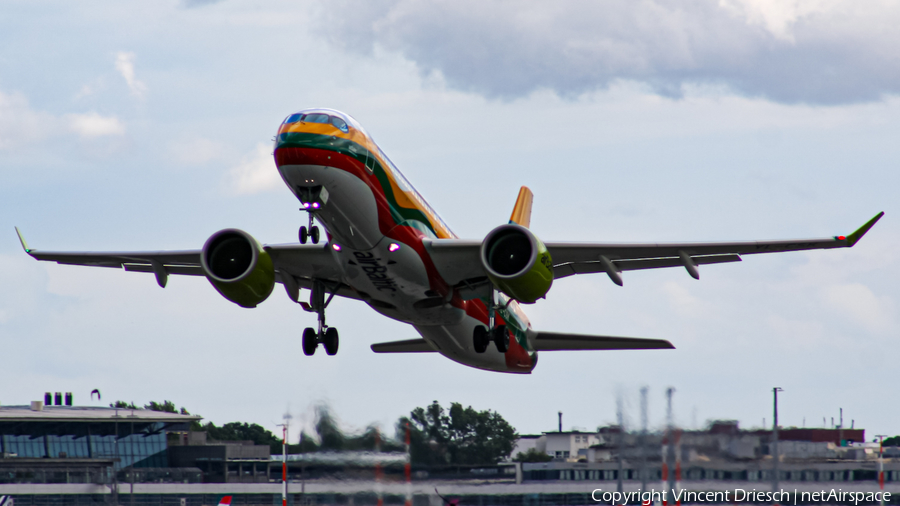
(311, 232)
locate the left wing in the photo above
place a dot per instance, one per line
(296, 265)
(408, 346)
(460, 264)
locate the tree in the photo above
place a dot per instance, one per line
(123, 405)
(165, 407)
(238, 431)
(460, 436)
(532, 455)
(891, 441)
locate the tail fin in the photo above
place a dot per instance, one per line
(225, 501)
(521, 214)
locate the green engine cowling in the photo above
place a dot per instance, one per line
(517, 263)
(238, 267)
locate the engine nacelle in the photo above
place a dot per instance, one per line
(517, 262)
(238, 267)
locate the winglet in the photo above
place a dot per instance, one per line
(861, 231)
(22, 240)
(521, 214)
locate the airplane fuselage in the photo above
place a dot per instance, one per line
(376, 224)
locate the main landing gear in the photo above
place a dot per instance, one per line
(483, 336)
(326, 335)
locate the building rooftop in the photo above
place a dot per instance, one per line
(89, 414)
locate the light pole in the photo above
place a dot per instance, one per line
(775, 455)
(881, 466)
(284, 484)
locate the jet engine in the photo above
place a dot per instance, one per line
(238, 267)
(517, 262)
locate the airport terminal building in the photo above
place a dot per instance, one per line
(61, 455)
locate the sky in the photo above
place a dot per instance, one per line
(147, 125)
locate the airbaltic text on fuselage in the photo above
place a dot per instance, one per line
(739, 495)
(376, 272)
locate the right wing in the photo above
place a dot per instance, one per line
(296, 265)
(408, 346)
(555, 341)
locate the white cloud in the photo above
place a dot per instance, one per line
(92, 124)
(256, 173)
(778, 16)
(683, 302)
(19, 124)
(857, 302)
(791, 51)
(125, 66)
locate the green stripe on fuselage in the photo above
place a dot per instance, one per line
(414, 217)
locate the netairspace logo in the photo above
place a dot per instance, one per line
(646, 498)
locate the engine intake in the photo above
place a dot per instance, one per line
(238, 267)
(517, 262)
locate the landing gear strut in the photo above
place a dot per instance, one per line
(326, 335)
(483, 336)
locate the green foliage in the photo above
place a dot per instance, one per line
(123, 405)
(460, 436)
(532, 455)
(165, 407)
(891, 441)
(237, 431)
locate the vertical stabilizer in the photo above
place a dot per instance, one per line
(521, 214)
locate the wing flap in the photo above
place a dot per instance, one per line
(555, 341)
(184, 270)
(564, 270)
(408, 346)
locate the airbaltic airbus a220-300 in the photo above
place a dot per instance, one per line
(385, 246)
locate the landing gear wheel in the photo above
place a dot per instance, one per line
(310, 341)
(501, 338)
(304, 234)
(480, 339)
(314, 234)
(331, 341)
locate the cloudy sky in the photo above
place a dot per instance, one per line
(147, 125)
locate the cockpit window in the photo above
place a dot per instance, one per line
(317, 118)
(340, 124)
(322, 118)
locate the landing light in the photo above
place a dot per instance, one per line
(305, 205)
(315, 205)
(393, 247)
(337, 247)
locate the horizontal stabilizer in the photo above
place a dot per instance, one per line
(408, 346)
(554, 341)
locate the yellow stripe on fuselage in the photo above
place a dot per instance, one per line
(402, 197)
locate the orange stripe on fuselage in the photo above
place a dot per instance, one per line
(403, 198)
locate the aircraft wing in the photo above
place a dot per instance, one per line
(296, 265)
(554, 341)
(460, 264)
